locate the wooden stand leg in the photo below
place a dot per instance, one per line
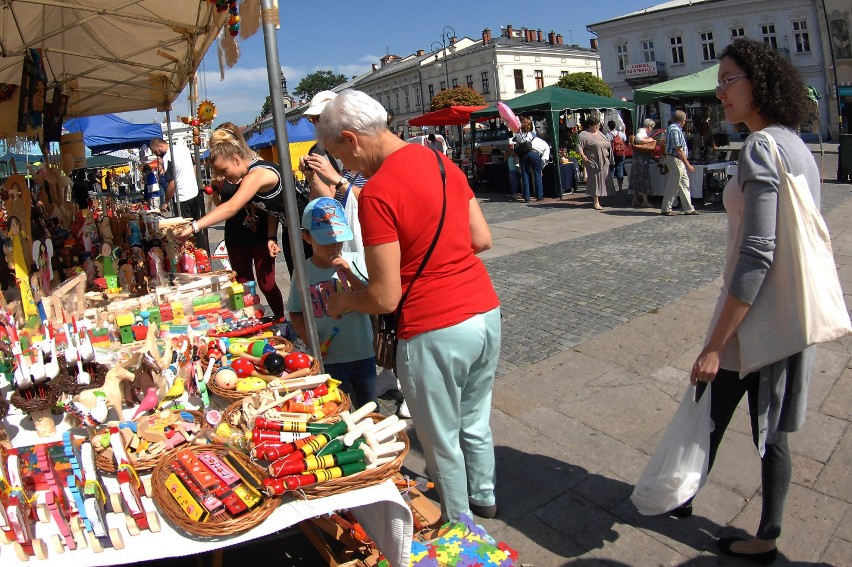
(322, 547)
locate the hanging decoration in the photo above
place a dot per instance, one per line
(204, 116)
(233, 19)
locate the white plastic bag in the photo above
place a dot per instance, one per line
(678, 467)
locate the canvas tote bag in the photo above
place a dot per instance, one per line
(800, 302)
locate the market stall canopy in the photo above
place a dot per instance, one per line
(553, 98)
(697, 85)
(109, 132)
(302, 131)
(450, 116)
(11, 162)
(106, 56)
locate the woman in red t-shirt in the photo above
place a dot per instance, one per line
(449, 326)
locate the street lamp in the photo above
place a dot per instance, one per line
(448, 35)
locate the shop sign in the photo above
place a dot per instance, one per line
(639, 70)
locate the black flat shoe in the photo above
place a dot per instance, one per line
(683, 511)
(765, 558)
(484, 511)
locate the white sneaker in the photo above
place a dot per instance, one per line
(402, 411)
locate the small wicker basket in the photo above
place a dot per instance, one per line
(105, 462)
(282, 346)
(368, 477)
(218, 527)
(233, 413)
(234, 395)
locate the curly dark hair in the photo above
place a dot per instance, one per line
(778, 91)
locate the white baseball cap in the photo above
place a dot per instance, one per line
(318, 103)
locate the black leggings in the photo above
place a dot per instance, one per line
(776, 466)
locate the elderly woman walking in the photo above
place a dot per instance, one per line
(422, 228)
(640, 176)
(595, 151)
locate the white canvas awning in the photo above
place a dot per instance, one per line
(107, 56)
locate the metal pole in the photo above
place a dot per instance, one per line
(175, 204)
(269, 17)
(193, 98)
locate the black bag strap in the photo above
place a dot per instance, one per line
(434, 240)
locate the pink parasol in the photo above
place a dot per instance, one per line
(509, 116)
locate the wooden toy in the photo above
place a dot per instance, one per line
(57, 503)
(94, 504)
(131, 488)
(20, 513)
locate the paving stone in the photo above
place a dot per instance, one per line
(631, 545)
(537, 543)
(806, 471)
(819, 437)
(834, 478)
(838, 552)
(610, 455)
(839, 402)
(810, 520)
(844, 529)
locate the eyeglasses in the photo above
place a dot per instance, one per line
(728, 81)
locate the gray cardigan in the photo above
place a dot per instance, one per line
(783, 389)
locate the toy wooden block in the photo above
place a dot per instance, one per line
(125, 327)
(140, 332)
(177, 312)
(236, 292)
(154, 315)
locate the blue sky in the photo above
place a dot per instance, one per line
(348, 36)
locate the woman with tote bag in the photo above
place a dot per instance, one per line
(780, 293)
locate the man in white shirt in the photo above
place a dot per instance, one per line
(180, 173)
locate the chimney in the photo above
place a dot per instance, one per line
(509, 31)
(551, 38)
(593, 43)
(374, 66)
(559, 39)
(453, 40)
(486, 36)
(420, 53)
(538, 35)
(528, 35)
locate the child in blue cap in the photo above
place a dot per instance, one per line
(350, 357)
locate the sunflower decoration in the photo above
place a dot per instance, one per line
(206, 112)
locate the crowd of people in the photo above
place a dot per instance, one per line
(395, 227)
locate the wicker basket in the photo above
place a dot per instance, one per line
(232, 414)
(283, 344)
(368, 477)
(234, 395)
(106, 463)
(221, 526)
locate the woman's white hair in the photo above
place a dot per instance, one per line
(354, 111)
(649, 123)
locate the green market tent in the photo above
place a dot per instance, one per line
(689, 87)
(552, 101)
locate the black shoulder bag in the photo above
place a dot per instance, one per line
(384, 331)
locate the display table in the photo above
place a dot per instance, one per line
(381, 510)
(696, 178)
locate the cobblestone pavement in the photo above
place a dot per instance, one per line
(557, 296)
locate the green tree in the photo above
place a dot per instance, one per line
(267, 107)
(458, 96)
(316, 82)
(584, 82)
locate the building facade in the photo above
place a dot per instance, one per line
(516, 62)
(682, 37)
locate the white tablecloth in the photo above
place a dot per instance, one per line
(696, 179)
(381, 510)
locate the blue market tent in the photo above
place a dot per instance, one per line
(302, 131)
(108, 132)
